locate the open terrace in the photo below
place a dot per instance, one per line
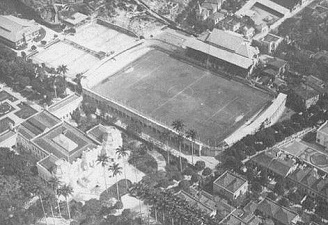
(165, 89)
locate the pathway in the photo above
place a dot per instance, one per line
(161, 163)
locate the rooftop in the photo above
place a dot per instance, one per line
(230, 181)
(48, 162)
(38, 124)
(13, 28)
(277, 212)
(271, 38)
(289, 4)
(305, 91)
(65, 141)
(76, 18)
(61, 104)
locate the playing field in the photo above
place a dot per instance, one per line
(167, 89)
(100, 38)
(61, 53)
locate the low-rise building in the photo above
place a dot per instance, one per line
(231, 186)
(64, 108)
(269, 43)
(322, 135)
(277, 213)
(76, 20)
(309, 95)
(16, 32)
(230, 23)
(208, 7)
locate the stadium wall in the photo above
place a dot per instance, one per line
(267, 118)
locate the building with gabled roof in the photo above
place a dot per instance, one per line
(227, 49)
(277, 213)
(15, 32)
(231, 186)
(207, 8)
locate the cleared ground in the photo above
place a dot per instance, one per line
(168, 89)
(100, 38)
(61, 53)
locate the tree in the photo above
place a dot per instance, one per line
(207, 171)
(122, 152)
(200, 165)
(184, 185)
(116, 170)
(178, 126)
(66, 191)
(92, 208)
(165, 136)
(279, 188)
(256, 187)
(295, 197)
(284, 202)
(54, 183)
(103, 159)
(191, 134)
(308, 204)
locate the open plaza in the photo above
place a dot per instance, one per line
(165, 89)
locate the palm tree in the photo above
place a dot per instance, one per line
(104, 160)
(62, 69)
(191, 134)
(178, 126)
(116, 170)
(54, 184)
(165, 136)
(122, 152)
(66, 191)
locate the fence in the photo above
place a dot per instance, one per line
(116, 27)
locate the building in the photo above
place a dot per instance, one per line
(224, 49)
(322, 135)
(269, 43)
(64, 108)
(277, 213)
(231, 186)
(243, 216)
(278, 65)
(16, 32)
(230, 23)
(275, 163)
(215, 18)
(309, 95)
(207, 8)
(76, 20)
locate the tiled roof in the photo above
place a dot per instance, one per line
(289, 4)
(230, 181)
(263, 159)
(281, 166)
(13, 28)
(299, 174)
(275, 211)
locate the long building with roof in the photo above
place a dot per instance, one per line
(50, 139)
(16, 32)
(224, 49)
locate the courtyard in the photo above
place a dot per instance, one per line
(165, 89)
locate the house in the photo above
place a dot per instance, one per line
(269, 43)
(309, 95)
(243, 216)
(322, 135)
(16, 32)
(280, 66)
(278, 165)
(230, 23)
(68, 1)
(208, 7)
(215, 18)
(228, 50)
(277, 213)
(231, 186)
(248, 31)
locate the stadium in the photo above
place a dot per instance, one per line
(157, 87)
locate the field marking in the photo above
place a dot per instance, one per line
(222, 108)
(146, 75)
(178, 93)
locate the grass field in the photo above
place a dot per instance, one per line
(167, 89)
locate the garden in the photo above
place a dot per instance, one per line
(5, 95)
(5, 108)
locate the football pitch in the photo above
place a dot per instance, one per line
(165, 89)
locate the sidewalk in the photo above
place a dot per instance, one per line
(210, 162)
(161, 163)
